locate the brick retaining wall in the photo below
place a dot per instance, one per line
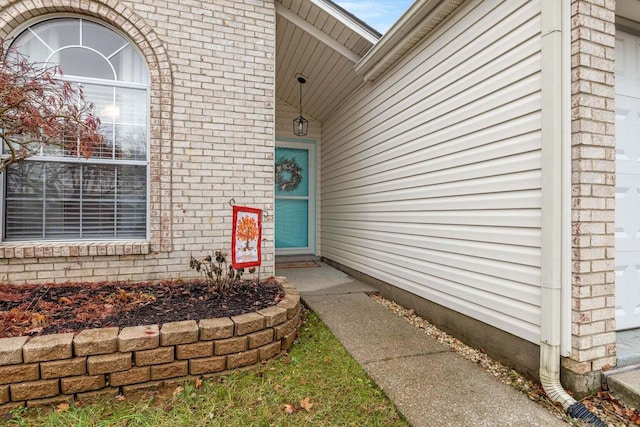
(96, 363)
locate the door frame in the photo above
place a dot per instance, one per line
(311, 146)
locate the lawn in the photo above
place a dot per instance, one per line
(316, 384)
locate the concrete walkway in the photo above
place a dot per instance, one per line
(430, 385)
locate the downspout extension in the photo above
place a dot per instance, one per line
(556, 167)
(550, 380)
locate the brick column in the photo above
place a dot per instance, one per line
(593, 193)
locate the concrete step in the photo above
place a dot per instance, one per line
(628, 347)
(624, 383)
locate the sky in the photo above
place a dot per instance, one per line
(380, 14)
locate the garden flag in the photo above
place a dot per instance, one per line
(246, 237)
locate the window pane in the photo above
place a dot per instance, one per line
(132, 142)
(132, 105)
(104, 150)
(132, 182)
(25, 180)
(132, 221)
(62, 205)
(24, 219)
(98, 182)
(24, 201)
(98, 201)
(57, 33)
(98, 219)
(78, 61)
(102, 97)
(129, 66)
(62, 219)
(71, 140)
(101, 38)
(31, 47)
(132, 201)
(62, 181)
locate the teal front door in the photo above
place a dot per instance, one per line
(294, 198)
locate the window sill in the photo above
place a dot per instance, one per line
(72, 249)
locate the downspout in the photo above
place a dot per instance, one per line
(556, 203)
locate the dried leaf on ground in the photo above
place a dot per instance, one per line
(74, 307)
(64, 300)
(38, 320)
(63, 407)
(306, 404)
(198, 383)
(289, 408)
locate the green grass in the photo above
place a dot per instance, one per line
(318, 368)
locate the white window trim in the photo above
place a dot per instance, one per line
(85, 247)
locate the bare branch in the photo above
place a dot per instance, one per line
(38, 109)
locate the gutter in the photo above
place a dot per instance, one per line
(556, 202)
(418, 21)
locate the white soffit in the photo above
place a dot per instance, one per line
(629, 9)
(322, 42)
(316, 33)
(417, 22)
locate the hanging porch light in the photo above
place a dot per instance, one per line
(300, 124)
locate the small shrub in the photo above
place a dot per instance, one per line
(218, 274)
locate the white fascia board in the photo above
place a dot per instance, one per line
(316, 33)
(398, 36)
(351, 23)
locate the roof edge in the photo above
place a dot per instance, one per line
(403, 35)
(350, 20)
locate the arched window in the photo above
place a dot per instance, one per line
(58, 196)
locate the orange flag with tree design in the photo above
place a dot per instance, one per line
(246, 237)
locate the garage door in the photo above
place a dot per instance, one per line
(627, 181)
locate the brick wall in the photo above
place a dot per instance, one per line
(212, 67)
(103, 363)
(593, 187)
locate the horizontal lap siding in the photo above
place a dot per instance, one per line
(431, 175)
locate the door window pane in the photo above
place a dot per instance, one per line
(292, 224)
(292, 172)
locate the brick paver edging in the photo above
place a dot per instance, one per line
(103, 363)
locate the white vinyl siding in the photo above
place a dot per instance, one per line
(431, 175)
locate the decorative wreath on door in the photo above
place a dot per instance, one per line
(288, 174)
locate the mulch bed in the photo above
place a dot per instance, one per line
(56, 308)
